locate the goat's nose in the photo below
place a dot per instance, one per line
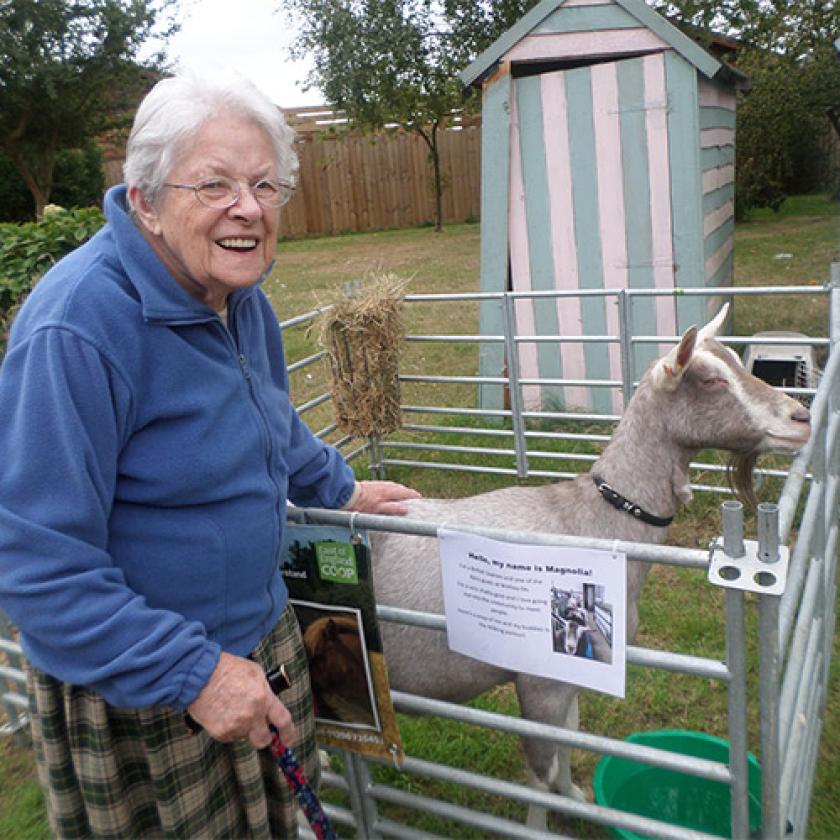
(801, 415)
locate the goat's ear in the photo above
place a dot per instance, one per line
(669, 370)
(714, 326)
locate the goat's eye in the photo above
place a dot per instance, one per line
(714, 383)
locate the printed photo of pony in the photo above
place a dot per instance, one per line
(338, 665)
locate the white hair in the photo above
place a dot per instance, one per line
(177, 107)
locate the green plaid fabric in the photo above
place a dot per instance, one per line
(111, 772)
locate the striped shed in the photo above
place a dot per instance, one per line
(608, 162)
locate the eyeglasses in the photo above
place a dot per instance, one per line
(221, 192)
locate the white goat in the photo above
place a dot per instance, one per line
(697, 396)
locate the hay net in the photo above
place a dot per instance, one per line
(361, 334)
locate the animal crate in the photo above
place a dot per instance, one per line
(783, 365)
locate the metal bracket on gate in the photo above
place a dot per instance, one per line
(749, 572)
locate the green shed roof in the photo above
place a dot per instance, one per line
(681, 43)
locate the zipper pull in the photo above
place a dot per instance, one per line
(243, 364)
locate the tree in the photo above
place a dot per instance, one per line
(395, 62)
(65, 67)
(785, 139)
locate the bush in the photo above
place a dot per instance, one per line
(78, 181)
(785, 141)
(28, 250)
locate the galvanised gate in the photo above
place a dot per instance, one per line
(795, 602)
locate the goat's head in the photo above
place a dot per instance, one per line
(713, 401)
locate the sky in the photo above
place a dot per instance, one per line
(250, 36)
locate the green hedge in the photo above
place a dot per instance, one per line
(28, 250)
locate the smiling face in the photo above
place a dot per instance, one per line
(210, 252)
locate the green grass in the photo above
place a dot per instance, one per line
(680, 611)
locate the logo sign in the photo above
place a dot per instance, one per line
(336, 562)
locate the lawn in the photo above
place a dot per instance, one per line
(794, 247)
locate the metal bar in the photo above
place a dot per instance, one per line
(739, 340)
(646, 552)
(768, 668)
(309, 360)
(455, 339)
(567, 339)
(455, 380)
(798, 469)
(768, 610)
(797, 821)
(446, 447)
(732, 513)
(364, 806)
(740, 291)
(11, 647)
(453, 430)
(807, 695)
(389, 828)
(14, 674)
(625, 323)
(800, 559)
(486, 822)
(648, 657)
(425, 465)
(313, 403)
(579, 418)
(589, 383)
(803, 632)
(700, 767)
(834, 303)
(565, 805)
(335, 780)
(470, 412)
(796, 799)
(468, 430)
(306, 316)
(533, 473)
(486, 450)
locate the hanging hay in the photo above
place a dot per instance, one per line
(361, 335)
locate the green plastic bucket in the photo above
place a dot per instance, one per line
(677, 798)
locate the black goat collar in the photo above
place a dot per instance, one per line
(620, 503)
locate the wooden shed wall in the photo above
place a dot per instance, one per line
(621, 176)
(717, 142)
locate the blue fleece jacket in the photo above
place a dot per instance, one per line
(148, 451)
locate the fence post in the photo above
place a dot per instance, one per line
(625, 343)
(514, 387)
(375, 465)
(768, 678)
(364, 806)
(733, 546)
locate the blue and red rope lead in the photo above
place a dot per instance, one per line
(301, 788)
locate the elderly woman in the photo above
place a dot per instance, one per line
(149, 448)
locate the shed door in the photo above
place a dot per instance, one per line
(590, 208)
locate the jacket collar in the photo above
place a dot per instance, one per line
(162, 299)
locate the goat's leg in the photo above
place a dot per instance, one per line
(549, 764)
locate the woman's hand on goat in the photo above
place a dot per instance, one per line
(237, 704)
(386, 497)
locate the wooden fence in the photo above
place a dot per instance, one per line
(356, 182)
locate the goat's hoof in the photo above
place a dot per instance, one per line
(577, 793)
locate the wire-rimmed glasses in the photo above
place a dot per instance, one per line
(220, 192)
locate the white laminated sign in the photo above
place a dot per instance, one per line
(552, 611)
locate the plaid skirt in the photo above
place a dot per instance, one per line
(111, 772)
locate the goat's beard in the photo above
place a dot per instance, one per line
(739, 473)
